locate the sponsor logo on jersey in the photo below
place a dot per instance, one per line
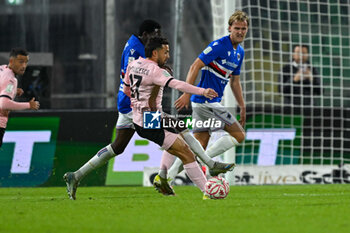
(207, 50)
(231, 64)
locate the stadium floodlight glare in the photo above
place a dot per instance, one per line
(15, 2)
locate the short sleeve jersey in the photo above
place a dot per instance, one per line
(221, 62)
(8, 89)
(133, 50)
(145, 77)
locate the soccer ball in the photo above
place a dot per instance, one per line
(217, 188)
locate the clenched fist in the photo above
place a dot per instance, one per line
(210, 93)
(34, 104)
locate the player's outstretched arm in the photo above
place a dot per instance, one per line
(7, 104)
(188, 88)
(210, 93)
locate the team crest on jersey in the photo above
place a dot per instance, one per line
(207, 50)
(238, 56)
(130, 59)
(9, 88)
(166, 74)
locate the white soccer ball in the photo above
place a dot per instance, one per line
(217, 188)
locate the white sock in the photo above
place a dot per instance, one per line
(197, 148)
(221, 145)
(163, 173)
(175, 169)
(98, 160)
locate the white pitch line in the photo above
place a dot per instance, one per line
(315, 194)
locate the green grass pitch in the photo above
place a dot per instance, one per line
(299, 208)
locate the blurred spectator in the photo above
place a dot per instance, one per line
(299, 81)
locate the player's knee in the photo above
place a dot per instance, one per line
(203, 138)
(117, 148)
(240, 137)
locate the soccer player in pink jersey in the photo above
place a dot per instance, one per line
(125, 128)
(8, 87)
(144, 82)
(133, 49)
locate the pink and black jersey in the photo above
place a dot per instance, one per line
(8, 90)
(146, 81)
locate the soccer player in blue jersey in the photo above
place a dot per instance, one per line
(220, 63)
(134, 48)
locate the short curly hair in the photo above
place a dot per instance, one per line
(148, 26)
(154, 43)
(18, 51)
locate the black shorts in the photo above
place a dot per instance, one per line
(2, 132)
(154, 135)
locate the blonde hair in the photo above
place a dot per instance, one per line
(238, 16)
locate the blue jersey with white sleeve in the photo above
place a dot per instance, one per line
(133, 50)
(221, 61)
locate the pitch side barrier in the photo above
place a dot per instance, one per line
(323, 135)
(39, 147)
(278, 140)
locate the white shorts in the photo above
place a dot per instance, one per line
(215, 111)
(125, 121)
